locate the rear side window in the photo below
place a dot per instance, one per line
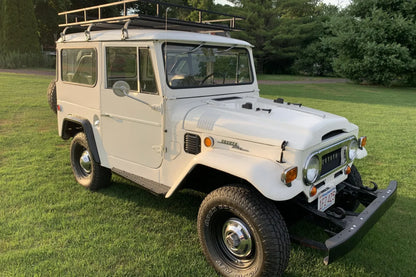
(79, 66)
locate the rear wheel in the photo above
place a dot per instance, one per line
(242, 233)
(87, 172)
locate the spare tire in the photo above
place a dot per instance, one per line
(52, 95)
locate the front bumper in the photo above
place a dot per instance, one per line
(350, 227)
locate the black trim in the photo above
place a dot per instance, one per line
(347, 228)
(227, 98)
(192, 144)
(332, 134)
(152, 186)
(73, 125)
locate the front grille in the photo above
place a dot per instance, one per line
(331, 161)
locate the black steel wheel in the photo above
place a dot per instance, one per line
(87, 172)
(52, 96)
(347, 200)
(242, 233)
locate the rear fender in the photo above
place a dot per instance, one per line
(263, 174)
(73, 125)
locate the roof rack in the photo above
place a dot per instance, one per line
(130, 17)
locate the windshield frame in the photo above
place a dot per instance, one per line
(195, 48)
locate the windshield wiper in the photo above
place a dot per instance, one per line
(226, 50)
(194, 49)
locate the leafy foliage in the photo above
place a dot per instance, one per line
(15, 59)
(375, 41)
(280, 30)
(18, 28)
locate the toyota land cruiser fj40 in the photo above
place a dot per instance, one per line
(170, 105)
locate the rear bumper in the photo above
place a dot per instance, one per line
(358, 225)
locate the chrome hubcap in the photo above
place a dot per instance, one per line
(237, 238)
(85, 162)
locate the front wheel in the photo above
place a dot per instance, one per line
(242, 233)
(87, 172)
(348, 201)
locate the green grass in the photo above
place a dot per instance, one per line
(50, 226)
(271, 77)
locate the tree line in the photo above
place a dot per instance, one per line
(370, 41)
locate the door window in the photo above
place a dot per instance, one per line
(122, 65)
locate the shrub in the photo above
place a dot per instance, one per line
(23, 60)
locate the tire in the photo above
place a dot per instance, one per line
(87, 172)
(52, 96)
(242, 233)
(346, 200)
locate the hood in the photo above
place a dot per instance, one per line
(266, 122)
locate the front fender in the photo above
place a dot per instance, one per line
(263, 174)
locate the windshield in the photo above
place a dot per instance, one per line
(191, 66)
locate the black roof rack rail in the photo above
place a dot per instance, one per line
(82, 18)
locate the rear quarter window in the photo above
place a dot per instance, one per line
(79, 66)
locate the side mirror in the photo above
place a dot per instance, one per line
(121, 88)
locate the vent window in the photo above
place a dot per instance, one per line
(192, 144)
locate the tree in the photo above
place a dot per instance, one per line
(18, 31)
(46, 12)
(279, 30)
(317, 57)
(375, 41)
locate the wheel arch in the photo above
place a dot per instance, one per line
(74, 125)
(206, 179)
(232, 167)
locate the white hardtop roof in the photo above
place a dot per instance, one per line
(154, 35)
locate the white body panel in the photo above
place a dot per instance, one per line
(149, 142)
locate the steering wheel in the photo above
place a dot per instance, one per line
(212, 74)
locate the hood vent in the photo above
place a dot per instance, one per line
(192, 144)
(332, 134)
(227, 98)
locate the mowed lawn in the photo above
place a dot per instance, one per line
(50, 226)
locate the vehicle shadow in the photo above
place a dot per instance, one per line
(183, 203)
(392, 234)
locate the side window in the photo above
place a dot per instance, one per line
(147, 73)
(79, 66)
(122, 66)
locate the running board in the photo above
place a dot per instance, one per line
(152, 186)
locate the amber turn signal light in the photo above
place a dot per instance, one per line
(289, 175)
(362, 142)
(208, 141)
(313, 191)
(347, 170)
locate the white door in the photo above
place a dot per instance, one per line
(131, 130)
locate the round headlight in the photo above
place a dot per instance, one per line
(352, 149)
(312, 169)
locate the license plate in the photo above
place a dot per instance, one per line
(326, 199)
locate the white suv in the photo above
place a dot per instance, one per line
(171, 109)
